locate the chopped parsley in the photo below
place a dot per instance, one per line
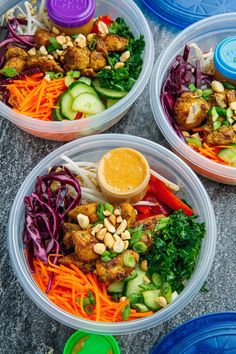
(176, 248)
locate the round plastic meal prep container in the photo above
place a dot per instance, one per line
(207, 34)
(164, 162)
(70, 130)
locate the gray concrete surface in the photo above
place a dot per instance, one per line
(25, 329)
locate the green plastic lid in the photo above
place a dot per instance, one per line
(88, 343)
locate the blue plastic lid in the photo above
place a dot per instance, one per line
(183, 13)
(210, 334)
(225, 57)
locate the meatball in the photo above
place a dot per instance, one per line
(76, 58)
(112, 43)
(88, 72)
(16, 52)
(128, 212)
(44, 64)
(84, 243)
(190, 111)
(18, 64)
(85, 267)
(97, 61)
(68, 228)
(42, 37)
(223, 136)
(87, 209)
(115, 270)
(148, 225)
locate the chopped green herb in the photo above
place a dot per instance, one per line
(228, 86)
(175, 249)
(9, 72)
(120, 28)
(100, 210)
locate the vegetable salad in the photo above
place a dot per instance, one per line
(108, 261)
(200, 107)
(48, 75)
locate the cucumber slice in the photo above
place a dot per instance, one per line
(66, 110)
(108, 93)
(166, 292)
(156, 279)
(228, 155)
(85, 80)
(111, 102)
(149, 298)
(56, 115)
(133, 285)
(77, 87)
(140, 307)
(116, 287)
(88, 103)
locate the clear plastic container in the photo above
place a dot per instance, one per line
(160, 159)
(66, 131)
(207, 34)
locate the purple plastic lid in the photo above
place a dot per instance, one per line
(70, 13)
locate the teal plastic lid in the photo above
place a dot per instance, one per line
(225, 57)
(88, 343)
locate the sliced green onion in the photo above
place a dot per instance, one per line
(192, 87)
(229, 113)
(221, 111)
(9, 72)
(198, 92)
(166, 292)
(214, 114)
(194, 142)
(226, 123)
(216, 125)
(156, 279)
(106, 253)
(86, 301)
(140, 247)
(207, 92)
(125, 312)
(129, 260)
(106, 259)
(135, 236)
(91, 297)
(134, 298)
(109, 207)
(228, 86)
(230, 120)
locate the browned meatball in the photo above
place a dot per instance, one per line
(18, 64)
(85, 267)
(84, 243)
(16, 52)
(42, 37)
(111, 43)
(190, 111)
(87, 209)
(223, 136)
(148, 225)
(68, 228)
(115, 270)
(76, 58)
(97, 60)
(44, 64)
(88, 72)
(128, 212)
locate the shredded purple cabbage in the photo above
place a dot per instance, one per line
(180, 74)
(56, 193)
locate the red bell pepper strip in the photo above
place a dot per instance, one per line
(106, 19)
(160, 190)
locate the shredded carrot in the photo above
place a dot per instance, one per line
(70, 287)
(211, 152)
(35, 97)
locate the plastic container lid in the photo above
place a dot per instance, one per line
(91, 343)
(67, 13)
(212, 334)
(182, 13)
(225, 57)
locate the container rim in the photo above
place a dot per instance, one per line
(194, 284)
(110, 113)
(165, 126)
